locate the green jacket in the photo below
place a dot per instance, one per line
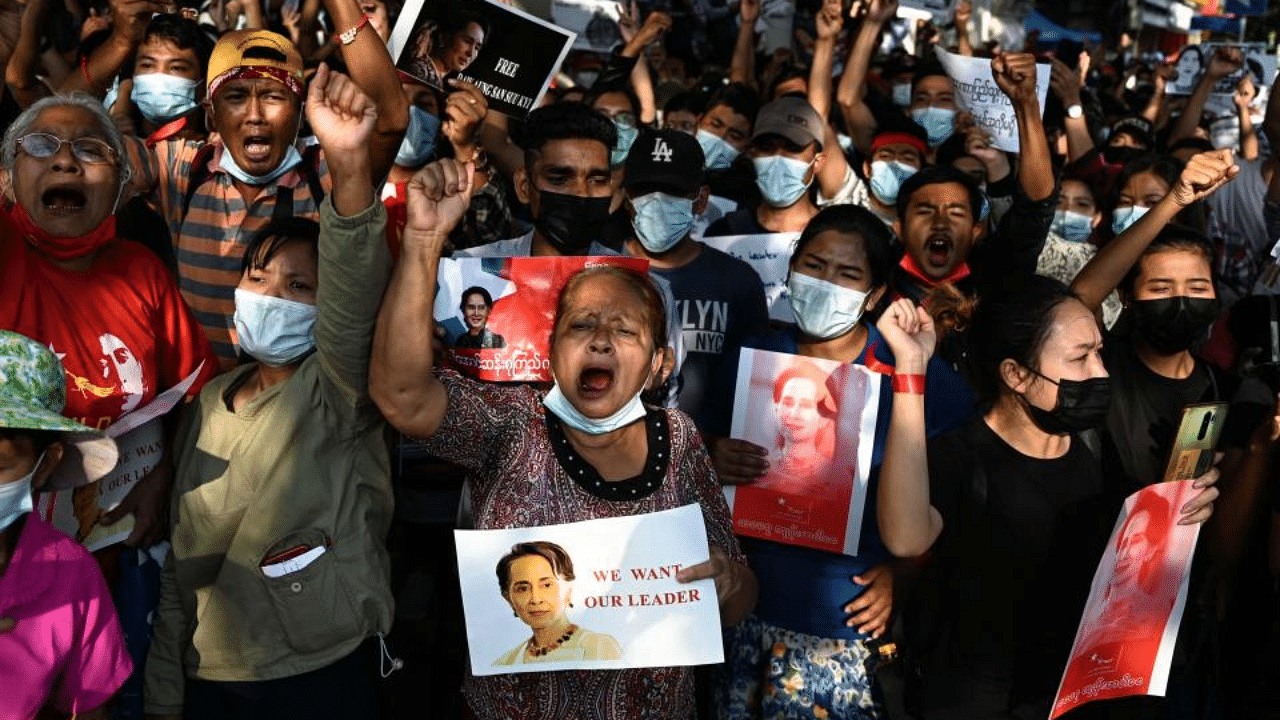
(302, 464)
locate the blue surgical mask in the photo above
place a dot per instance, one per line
(719, 153)
(781, 179)
(228, 164)
(627, 134)
(823, 309)
(887, 177)
(661, 221)
(272, 330)
(938, 122)
(161, 97)
(1072, 226)
(559, 405)
(902, 94)
(15, 497)
(419, 144)
(1123, 218)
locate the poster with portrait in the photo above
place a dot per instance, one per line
(594, 22)
(817, 420)
(1193, 60)
(769, 255)
(597, 594)
(139, 436)
(507, 53)
(978, 94)
(497, 313)
(1124, 645)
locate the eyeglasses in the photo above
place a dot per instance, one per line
(86, 149)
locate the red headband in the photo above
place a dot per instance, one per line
(899, 138)
(252, 72)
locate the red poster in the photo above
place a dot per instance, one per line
(497, 313)
(816, 419)
(1125, 642)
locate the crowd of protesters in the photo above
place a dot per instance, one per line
(249, 203)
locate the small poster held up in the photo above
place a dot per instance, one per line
(978, 94)
(497, 313)
(769, 255)
(937, 11)
(597, 594)
(595, 22)
(508, 54)
(817, 420)
(1125, 642)
(1193, 60)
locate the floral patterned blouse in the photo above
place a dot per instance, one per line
(524, 473)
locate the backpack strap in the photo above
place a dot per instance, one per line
(309, 167)
(196, 176)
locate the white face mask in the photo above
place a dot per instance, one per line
(718, 152)
(781, 179)
(938, 122)
(1124, 217)
(887, 178)
(559, 405)
(15, 497)
(272, 330)
(661, 220)
(1072, 226)
(160, 96)
(823, 309)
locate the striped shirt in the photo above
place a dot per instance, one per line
(210, 242)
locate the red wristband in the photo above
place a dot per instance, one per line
(911, 384)
(349, 36)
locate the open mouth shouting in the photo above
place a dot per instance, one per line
(63, 201)
(595, 381)
(938, 249)
(257, 148)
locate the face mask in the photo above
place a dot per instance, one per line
(1172, 325)
(718, 152)
(1124, 217)
(61, 248)
(887, 177)
(559, 405)
(161, 97)
(1072, 225)
(228, 164)
(823, 309)
(661, 220)
(938, 122)
(781, 179)
(272, 330)
(570, 222)
(627, 134)
(1082, 405)
(419, 144)
(15, 497)
(902, 94)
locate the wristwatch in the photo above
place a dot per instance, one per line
(1075, 111)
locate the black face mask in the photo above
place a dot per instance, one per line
(569, 222)
(1082, 405)
(1173, 325)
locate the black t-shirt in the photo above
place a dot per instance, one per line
(739, 222)
(1003, 592)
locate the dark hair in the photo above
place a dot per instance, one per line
(261, 52)
(1159, 512)
(1165, 167)
(598, 91)
(475, 290)
(937, 175)
(1198, 144)
(184, 33)
(854, 220)
(40, 439)
(686, 102)
(639, 282)
(1172, 237)
(1012, 325)
(267, 242)
(739, 98)
(457, 21)
(928, 69)
(559, 560)
(952, 149)
(788, 73)
(565, 121)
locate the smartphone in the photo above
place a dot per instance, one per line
(1197, 437)
(1068, 51)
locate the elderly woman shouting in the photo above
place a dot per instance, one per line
(587, 449)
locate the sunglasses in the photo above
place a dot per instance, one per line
(87, 150)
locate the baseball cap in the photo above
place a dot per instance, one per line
(33, 391)
(1137, 127)
(254, 54)
(667, 161)
(791, 117)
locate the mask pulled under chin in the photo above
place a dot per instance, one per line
(559, 405)
(227, 163)
(569, 222)
(1082, 405)
(272, 330)
(61, 248)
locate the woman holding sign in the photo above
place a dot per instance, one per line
(587, 449)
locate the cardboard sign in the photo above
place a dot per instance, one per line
(497, 313)
(817, 420)
(508, 54)
(978, 95)
(594, 22)
(609, 585)
(770, 256)
(1124, 645)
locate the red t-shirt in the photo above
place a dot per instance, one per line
(122, 330)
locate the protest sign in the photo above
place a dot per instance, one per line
(608, 585)
(1193, 60)
(978, 95)
(769, 255)
(78, 512)
(508, 54)
(497, 313)
(817, 420)
(1124, 645)
(594, 22)
(938, 11)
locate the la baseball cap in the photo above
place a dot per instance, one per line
(667, 161)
